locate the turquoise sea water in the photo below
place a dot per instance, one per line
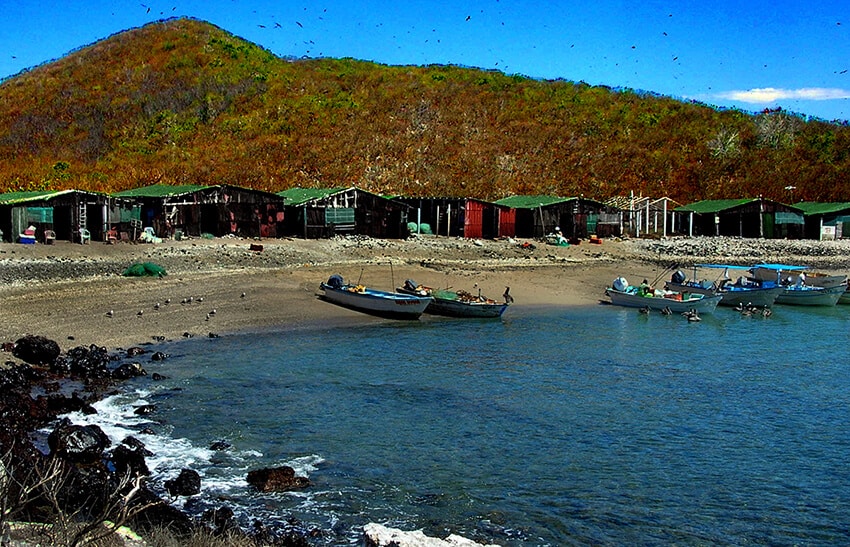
(555, 426)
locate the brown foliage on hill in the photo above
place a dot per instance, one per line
(184, 102)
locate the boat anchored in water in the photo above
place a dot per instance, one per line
(796, 290)
(743, 291)
(387, 304)
(644, 296)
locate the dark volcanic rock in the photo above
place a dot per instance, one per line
(36, 350)
(128, 370)
(129, 460)
(78, 443)
(187, 483)
(144, 410)
(60, 404)
(276, 479)
(89, 362)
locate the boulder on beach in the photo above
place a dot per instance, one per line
(378, 535)
(276, 479)
(36, 350)
(78, 443)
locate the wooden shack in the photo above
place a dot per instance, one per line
(646, 215)
(537, 216)
(825, 221)
(314, 213)
(63, 212)
(218, 211)
(748, 217)
(461, 217)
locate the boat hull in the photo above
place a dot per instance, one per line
(700, 303)
(732, 295)
(471, 310)
(453, 307)
(810, 296)
(380, 303)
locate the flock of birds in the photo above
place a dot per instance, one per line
(692, 315)
(185, 301)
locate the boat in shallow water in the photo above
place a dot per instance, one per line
(456, 303)
(741, 292)
(796, 290)
(387, 304)
(630, 296)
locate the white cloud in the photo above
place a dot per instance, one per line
(764, 95)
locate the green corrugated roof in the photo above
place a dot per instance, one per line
(300, 196)
(160, 191)
(530, 202)
(714, 205)
(13, 198)
(817, 208)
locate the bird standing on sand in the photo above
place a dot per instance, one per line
(507, 296)
(110, 313)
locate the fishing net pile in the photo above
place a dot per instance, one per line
(144, 269)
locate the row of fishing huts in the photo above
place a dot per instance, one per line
(221, 210)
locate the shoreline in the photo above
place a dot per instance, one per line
(66, 291)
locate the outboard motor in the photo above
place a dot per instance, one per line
(620, 284)
(410, 285)
(678, 277)
(335, 281)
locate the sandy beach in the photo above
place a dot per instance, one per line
(66, 291)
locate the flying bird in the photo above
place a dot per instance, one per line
(299, 24)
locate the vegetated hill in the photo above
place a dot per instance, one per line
(182, 101)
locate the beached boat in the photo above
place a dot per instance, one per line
(742, 292)
(372, 301)
(630, 296)
(456, 303)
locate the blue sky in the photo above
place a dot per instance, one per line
(746, 54)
